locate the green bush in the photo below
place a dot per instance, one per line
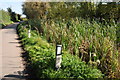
(42, 59)
(72, 67)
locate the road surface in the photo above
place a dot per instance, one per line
(11, 63)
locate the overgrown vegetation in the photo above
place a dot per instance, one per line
(86, 30)
(42, 59)
(94, 42)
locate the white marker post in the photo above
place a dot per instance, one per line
(29, 34)
(58, 56)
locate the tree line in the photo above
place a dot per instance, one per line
(66, 10)
(14, 16)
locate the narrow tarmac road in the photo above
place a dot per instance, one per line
(11, 64)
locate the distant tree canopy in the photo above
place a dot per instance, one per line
(109, 11)
(14, 17)
(19, 17)
(67, 10)
(35, 9)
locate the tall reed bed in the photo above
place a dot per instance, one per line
(94, 42)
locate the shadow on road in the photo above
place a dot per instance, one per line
(19, 75)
